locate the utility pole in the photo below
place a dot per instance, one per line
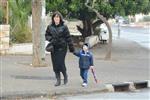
(117, 18)
(118, 28)
(38, 31)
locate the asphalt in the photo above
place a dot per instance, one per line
(129, 63)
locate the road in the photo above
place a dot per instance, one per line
(137, 95)
(140, 35)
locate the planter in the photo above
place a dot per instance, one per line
(92, 40)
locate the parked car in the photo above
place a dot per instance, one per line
(122, 20)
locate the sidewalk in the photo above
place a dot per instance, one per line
(129, 63)
(22, 49)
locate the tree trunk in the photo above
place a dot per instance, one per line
(87, 28)
(108, 55)
(38, 59)
(96, 23)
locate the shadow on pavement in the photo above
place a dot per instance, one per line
(32, 77)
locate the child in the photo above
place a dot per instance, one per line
(85, 62)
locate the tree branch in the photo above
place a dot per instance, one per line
(108, 55)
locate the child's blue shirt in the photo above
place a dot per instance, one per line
(85, 59)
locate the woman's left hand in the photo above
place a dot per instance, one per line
(71, 49)
(91, 67)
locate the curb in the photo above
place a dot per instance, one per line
(115, 87)
(128, 86)
(52, 93)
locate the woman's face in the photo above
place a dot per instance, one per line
(56, 19)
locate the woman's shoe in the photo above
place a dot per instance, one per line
(58, 82)
(65, 80)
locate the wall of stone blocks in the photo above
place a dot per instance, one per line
(4, 38)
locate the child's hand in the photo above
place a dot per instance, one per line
(91, 67)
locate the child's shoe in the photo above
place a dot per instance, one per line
(84, 84)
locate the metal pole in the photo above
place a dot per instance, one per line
(118, 29)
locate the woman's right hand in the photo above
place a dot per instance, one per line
(71, 49)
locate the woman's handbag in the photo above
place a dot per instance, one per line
(49, 47)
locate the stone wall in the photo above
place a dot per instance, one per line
(4, 38)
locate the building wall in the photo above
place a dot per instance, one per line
(139, 17)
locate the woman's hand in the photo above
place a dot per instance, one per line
(91, 67)
(71, 49)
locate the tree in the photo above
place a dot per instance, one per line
(38, 32)
(107, 8)
(108, 55)
(19, 12)
(1, 16)
(4, 12)
(104, 9)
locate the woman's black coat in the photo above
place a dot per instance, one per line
(59, 37)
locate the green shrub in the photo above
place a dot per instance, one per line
(21, 36)
(18, 20)
(1, 15)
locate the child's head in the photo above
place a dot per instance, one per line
(85, 47)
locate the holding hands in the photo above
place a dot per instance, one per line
(91, 67)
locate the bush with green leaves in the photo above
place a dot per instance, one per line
(1, 16)
(19, 12)
(107, 8)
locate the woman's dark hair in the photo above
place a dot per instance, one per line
(60, 16)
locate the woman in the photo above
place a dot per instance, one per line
(59, 36)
